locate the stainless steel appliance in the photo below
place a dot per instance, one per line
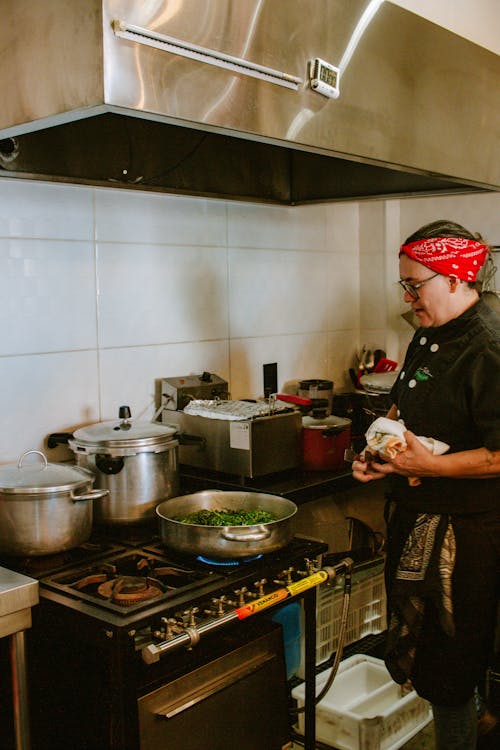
(237, 437)
(287, 101)
(136, 463)
(136, 648)
(176, 393)
(45, 508)
(232, 541)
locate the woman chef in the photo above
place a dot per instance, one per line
(444, 530)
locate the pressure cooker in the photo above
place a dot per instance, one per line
(137, 462)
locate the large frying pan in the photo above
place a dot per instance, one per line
(226, 542)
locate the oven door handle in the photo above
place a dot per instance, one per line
(212, 687)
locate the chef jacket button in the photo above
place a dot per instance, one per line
(412, 383)
(423, 341)
(434, 347)
(401, 375)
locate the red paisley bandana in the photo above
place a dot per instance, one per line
(449, 256)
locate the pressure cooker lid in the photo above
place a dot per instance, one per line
(30, 478)
(124, 433)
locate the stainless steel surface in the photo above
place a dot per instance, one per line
(135, 462)
(176, 393)
(141, 482)
(45, 508)
(317, 388)
(87, 105)
(226, 541)
(237, 700)
(18, 593)
(20, 691)
(36, 479)
(248, 448)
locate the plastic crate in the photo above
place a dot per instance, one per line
(367, 616)
(364, 709)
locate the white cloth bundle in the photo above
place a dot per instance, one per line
(386, 438)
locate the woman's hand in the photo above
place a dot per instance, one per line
(366, 471)
(415, 461)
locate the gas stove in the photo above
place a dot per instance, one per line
(123, 584)
(137, 621)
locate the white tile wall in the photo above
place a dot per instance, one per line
(102, 291)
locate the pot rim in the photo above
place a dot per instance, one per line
(221, 495)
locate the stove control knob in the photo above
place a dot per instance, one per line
(219, 603)
(240, 593)
(189, 617)
(285, 576)
(259, 585)
(288, 575)
(311, 567)
(168, 628)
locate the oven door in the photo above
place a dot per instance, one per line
(237, 700)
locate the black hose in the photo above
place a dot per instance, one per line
(340, 646)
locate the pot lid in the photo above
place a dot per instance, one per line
(124, 433)
(31, 478)
(325, 422)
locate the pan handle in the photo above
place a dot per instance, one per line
(250, 536)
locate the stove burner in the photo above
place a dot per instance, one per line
(227, 563)
(128, 590)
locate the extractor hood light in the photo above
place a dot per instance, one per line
(203, 54)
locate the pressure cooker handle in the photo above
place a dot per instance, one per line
(59, 438)
(91, 495)
(251, 536)
(109, 464)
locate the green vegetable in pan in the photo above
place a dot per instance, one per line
(227, 517)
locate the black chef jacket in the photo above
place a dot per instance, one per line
(449, 389)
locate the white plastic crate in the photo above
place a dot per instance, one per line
(364, 709)
(367, 616)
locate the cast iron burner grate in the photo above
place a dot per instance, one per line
(222, 562)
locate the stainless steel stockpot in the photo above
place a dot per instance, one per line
(226, 542)
(136, 461)
(45, 508)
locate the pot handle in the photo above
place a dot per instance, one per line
(334, 430)
(251, 536)
(92, 495)
(291, 399)
(59, 438)
(109, 464)
(185, 439)
(27, 453)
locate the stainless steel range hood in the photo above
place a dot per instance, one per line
(214, 97)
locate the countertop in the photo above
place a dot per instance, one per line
(18, 593)
(295, 484)
(327, 501)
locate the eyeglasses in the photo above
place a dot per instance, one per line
(412, 289)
